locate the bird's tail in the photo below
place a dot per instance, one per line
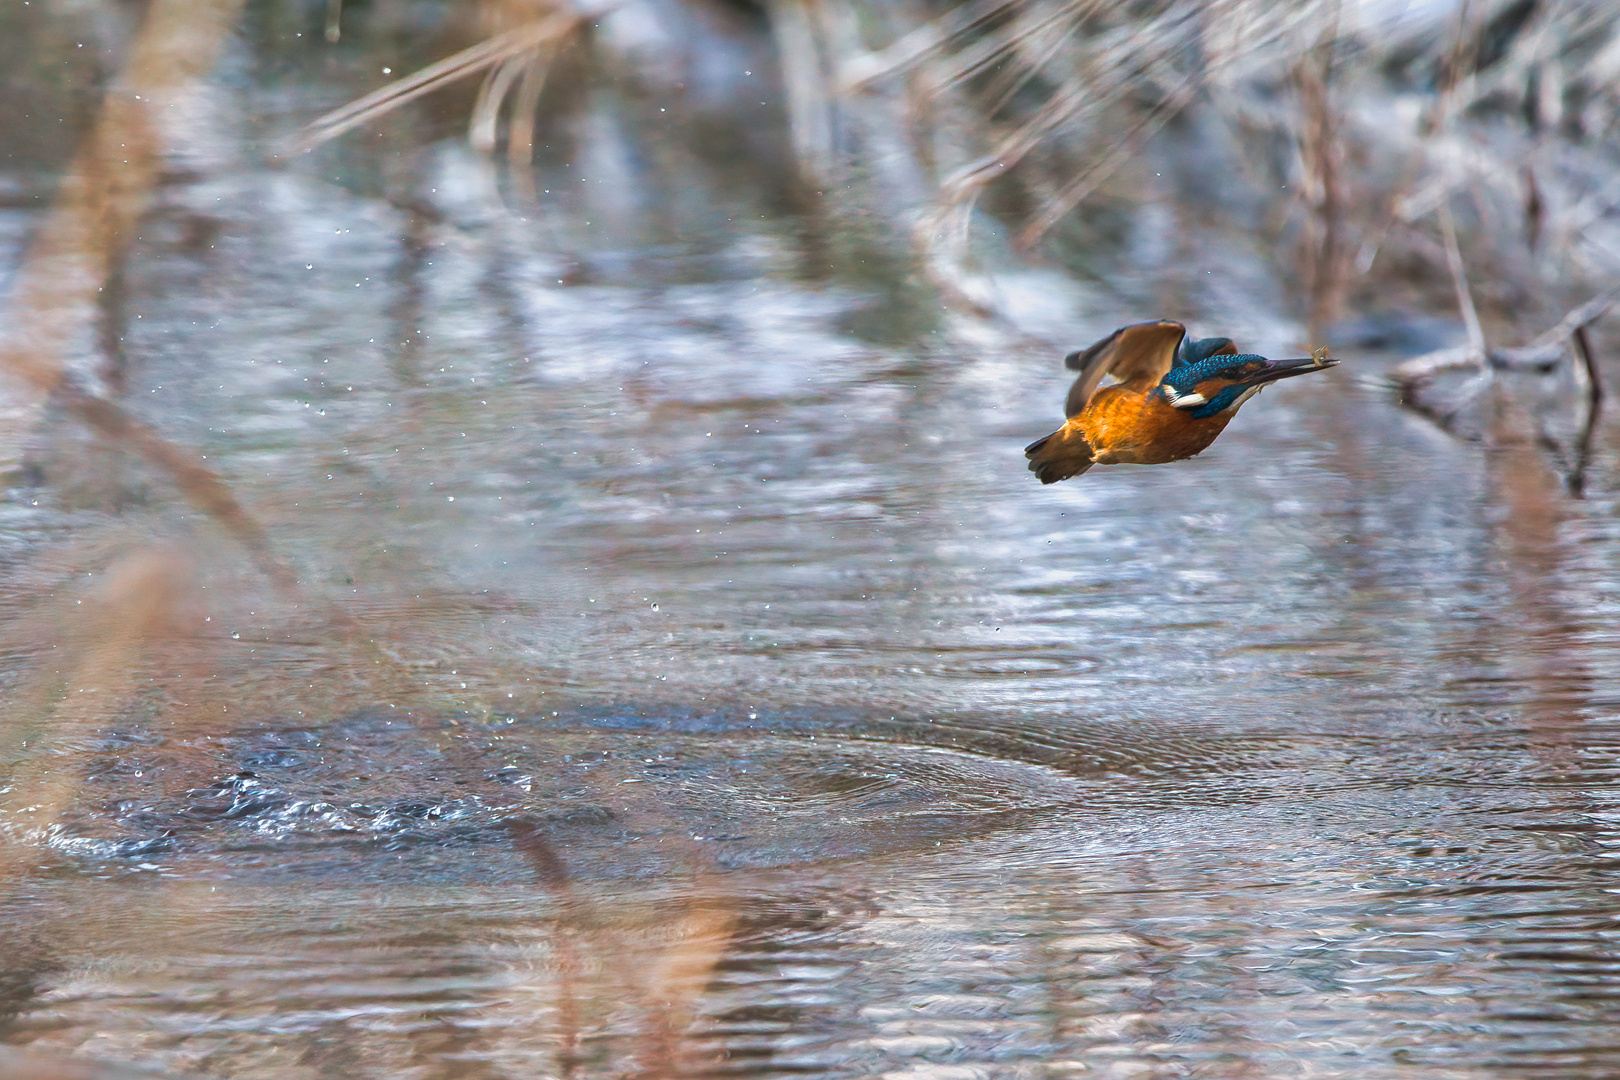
(1060, 455)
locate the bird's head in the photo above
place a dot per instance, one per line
(1205, 382)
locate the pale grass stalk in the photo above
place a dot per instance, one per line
(484, 127)
(1459, 280)
(525, 107)
(469, 61)
(1030, 54)
(916, 45)
(806, 86)
(1081, 187)
(1321, 156)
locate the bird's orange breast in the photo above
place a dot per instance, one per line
(1127, 427)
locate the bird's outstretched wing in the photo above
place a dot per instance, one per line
(1138, 354)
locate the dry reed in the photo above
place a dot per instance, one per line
(1054, 106)
(30, 1065)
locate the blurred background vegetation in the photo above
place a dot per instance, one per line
(1145, 146)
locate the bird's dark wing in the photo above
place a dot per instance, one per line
(1195, 349)
(1139, 354)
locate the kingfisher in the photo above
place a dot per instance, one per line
(1172, 396)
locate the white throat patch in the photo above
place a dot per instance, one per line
(1245, 396)
(1194, 399)
(1183, 401)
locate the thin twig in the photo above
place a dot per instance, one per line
(1581, 317)
(468, 61)
(199, 484)
(486, 111)
(1594, 409)
(526, 105)
(916, 46)
(1017, 75)
(1081, 187)
(1459, 278)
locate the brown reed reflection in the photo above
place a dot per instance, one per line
(90, 665)
(100, 651)
(27, 1065)
(77, 254)
(1544, 647)
(660, 955)
(100, 642)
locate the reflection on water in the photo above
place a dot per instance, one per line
(1452, 925)
(681, 679)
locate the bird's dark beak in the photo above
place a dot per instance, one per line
(1286, 369)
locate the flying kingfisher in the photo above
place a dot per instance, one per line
(1172, 396)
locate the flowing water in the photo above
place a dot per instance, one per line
(684, 676)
